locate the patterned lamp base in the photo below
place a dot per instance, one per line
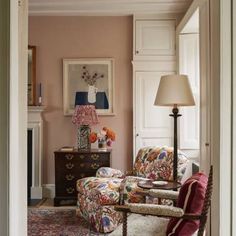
(83, 137)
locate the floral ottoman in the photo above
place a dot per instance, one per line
(96, 200)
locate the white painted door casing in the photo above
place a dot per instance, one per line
(189, 65)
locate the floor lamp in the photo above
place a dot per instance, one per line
(175, 91)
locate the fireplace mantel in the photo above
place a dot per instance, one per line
(35, 123)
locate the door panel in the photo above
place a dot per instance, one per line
(155, 37)
(153, 123)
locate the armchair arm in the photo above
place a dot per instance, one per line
(107, 172)
(152, 209)
(165, 194)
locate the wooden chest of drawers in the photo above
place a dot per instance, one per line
(71, 166)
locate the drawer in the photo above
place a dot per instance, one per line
(69, 157)
(71, 177)
(66, 189)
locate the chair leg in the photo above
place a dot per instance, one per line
(124, 223)
(202, 226)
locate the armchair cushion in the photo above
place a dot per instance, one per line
(107, 172)
(166, 194)
(191, 200)
(129, 188)
(157, 163)
(158, 210)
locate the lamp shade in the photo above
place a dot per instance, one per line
(85, 115)
(174, 90)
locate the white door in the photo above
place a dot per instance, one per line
(153, 123)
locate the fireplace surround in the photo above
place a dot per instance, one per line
(35, 125)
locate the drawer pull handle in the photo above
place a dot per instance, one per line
(82, 175)
(70, 177)
(94, 166)
(69, 165)
(69, 156)
(81, 157)
(82, 165)
(95, 157)
(70, 190)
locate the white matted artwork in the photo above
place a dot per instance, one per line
(88, 82)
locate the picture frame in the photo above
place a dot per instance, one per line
(31, 89)
(89, 81)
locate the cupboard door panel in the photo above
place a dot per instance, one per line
(155, 37)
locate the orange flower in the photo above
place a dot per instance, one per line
(111, 134)
(93, 137)
(105, 128)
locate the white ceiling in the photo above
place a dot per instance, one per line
(106, 7)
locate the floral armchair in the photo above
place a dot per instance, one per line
(97, 196)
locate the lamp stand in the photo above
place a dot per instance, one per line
(83, 137)
(175, 114)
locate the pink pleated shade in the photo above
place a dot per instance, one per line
(85, 115)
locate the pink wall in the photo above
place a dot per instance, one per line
(77, 37)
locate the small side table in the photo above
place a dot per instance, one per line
(171, 185)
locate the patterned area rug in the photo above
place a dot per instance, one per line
(56, 222)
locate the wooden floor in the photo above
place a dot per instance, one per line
(36, 202)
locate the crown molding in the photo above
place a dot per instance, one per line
(105, 7)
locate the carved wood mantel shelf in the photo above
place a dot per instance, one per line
(35, 124)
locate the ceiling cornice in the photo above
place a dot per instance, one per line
(105, 7)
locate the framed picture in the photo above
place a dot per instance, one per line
(31, 75)
(88, 82)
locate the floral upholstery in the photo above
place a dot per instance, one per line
(98, 195)
(102, 218)
(157, 163)
(107, 172)
(106, 188)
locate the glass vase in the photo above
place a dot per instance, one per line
(102, 144)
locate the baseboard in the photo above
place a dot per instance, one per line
(36, 193)
(49, 190)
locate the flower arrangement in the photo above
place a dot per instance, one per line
(106, 135)
(90, 79)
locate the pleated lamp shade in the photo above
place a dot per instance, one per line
(85, 115)
(174, 90)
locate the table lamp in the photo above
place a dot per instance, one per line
(84, 117)
(175, 91)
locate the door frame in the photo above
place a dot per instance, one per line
(206, 89)
(204, 73)
(17, 203)
(4, 114)
(18, 118)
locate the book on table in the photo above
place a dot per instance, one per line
(67, 149)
